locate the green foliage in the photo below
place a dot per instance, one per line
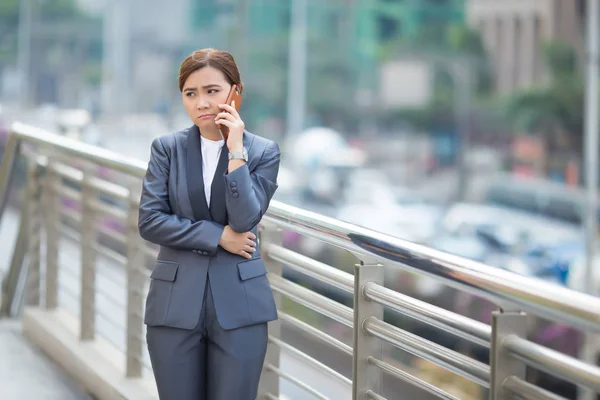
(560, 59)
(92, 73)
(456, 41)
(438, 114)
(9, 22)
(47, 12)
(57, 10)
(557, 107)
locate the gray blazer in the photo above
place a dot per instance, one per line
(174, 214)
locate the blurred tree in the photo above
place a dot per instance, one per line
(331, 72)
(555, 109)
(64, 42)
(9, 23)
(454, 43)
(55, 11)
(60, 10)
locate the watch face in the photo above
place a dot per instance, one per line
(239, 155)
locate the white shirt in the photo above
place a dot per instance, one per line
(211, 151)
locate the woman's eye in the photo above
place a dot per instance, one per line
(212, 91)
(190, 94)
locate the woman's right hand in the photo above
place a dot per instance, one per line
(242, 244)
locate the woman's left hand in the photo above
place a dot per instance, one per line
(231, 119)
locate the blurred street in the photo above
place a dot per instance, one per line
(467, 126)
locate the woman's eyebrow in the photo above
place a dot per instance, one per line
(212, 85)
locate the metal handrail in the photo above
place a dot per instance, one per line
(554, 362)
(449, 359)
(503, 287)
(527, 391)
(530, 294)
(463, 327)
(72, 147)
(407, 377)
(373, 249)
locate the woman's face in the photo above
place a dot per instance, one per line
(202, 93)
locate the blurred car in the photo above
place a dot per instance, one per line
(399, 212)
(554, 262)
(576, 278)
(512, 227)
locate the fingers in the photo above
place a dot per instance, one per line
(250, 235)
(234, 109)
(230, 108)
(249, 249)
(225, 122)
(225, 115)
(250, 243)
(245, 254)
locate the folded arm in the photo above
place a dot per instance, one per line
(248, 194)
(157, 223)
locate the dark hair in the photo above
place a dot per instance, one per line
(219, 59)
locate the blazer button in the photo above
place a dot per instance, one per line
(233, 184)
(236, 195)
(205, 253)
(195, 251)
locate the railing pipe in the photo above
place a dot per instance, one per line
(463, 327)
(553, 362)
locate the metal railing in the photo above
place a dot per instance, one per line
(55, 161)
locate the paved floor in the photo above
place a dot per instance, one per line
(27, 374)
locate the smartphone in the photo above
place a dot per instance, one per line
(234, 95)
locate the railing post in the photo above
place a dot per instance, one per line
(502, 365)
(136, 261)
(269, 381)
(53, 232)
(10, 282)
(10, 159)
(32, 216)
(365, 376)
(88, 258)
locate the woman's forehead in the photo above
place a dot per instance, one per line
(206, 76)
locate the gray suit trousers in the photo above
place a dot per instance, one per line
(207, 362)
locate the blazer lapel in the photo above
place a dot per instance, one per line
(194, 176)
(218, 208)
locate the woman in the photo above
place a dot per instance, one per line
(209, 299)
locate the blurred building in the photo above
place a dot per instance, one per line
(126, 53)
(514, 32)
(347, 40)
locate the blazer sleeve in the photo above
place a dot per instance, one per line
(156, 221)
(248, 194)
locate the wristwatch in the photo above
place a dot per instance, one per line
(239, 155)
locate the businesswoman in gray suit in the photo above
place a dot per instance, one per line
(209, 299)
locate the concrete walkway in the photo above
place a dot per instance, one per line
(26, 374)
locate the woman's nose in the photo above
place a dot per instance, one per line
(202, 103)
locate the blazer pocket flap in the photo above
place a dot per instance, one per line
(251, 268)
(165, 271)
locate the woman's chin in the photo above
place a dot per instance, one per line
(206, 123)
